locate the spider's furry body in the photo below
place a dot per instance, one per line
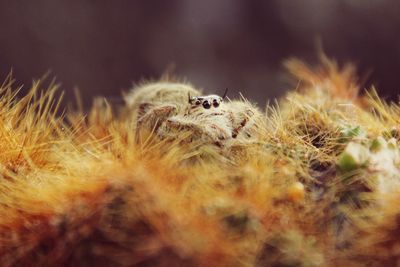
(169, 108)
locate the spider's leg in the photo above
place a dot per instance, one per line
(199, 130)
(143, 108)
(178, 123)
(240, 125)
(153, 118)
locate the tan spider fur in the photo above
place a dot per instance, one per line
(165, 109)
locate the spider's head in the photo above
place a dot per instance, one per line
(207, 101)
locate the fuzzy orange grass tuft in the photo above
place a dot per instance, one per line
(312, 182)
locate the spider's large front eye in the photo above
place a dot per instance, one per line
(198, 102)
(215, 103)
(206, 104)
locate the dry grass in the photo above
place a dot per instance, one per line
(82, 190)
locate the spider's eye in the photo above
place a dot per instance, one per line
(215, 103)
(206, 104)
(198, 102)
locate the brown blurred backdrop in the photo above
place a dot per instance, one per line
(102, 46)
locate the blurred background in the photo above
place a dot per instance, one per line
(102, 46)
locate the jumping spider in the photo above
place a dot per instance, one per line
(168, 109)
